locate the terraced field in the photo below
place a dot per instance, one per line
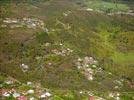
(66, 50)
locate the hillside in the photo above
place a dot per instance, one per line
(66, 50)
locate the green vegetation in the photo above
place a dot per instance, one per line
(107, 6)
(68, 34)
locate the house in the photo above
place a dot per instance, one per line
(22, 98)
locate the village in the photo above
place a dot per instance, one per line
(88, 66)
(24, 22)
(15, 90)
(66, 50)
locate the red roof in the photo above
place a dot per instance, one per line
(2, 91)
(91, 98)
(22, 98)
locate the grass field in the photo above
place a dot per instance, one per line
(105, 6)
